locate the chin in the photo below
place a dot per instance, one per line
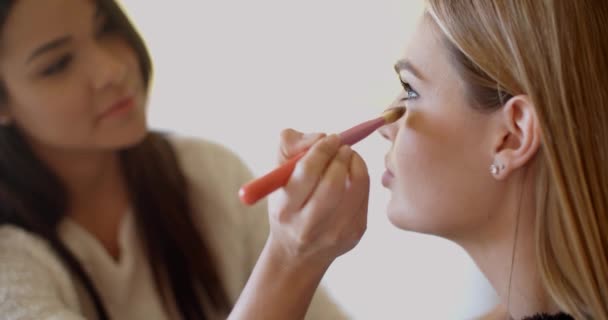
(400, 217)
(135, 138)
(126, 137)
(411, 219)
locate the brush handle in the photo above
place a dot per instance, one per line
(257, 189)
(360, 131)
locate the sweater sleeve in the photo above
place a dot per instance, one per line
(33, 283)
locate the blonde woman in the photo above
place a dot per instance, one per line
(504, 148)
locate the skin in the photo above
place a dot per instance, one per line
(438, 172)
(60, 106)
(321, 213)
(59, 97)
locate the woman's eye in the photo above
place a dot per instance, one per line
(58, 66)
(409, 92)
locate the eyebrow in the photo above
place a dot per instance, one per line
(407, 66)
(57, 43)
(49, 46)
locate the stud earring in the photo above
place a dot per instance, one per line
(495, 168)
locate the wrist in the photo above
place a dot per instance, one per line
(281, 286)
(303, 265)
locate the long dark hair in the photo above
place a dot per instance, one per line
(35, 199)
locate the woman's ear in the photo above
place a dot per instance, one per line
(520, 138)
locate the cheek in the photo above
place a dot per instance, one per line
(54, 113)
(435, 172)
(135, 79)
(126, 53)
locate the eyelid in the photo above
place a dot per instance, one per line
(58, 65)
(410, 93)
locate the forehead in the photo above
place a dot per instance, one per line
(426, 50)
(31, 23)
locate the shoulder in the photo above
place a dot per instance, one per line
(19, 243)
(214, 174)
(193, 151)
(234, 231)
(30, 271)
(212, 170)
(499, 312)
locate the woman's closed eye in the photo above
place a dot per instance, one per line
(58, 65)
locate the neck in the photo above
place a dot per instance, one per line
(98, 197)
(506, 253)
(84, 173)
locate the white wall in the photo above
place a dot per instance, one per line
(238, 71)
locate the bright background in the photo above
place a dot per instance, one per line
(239, 71)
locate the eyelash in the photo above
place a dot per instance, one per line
(410, 93)
(62, 63)
(58, 66)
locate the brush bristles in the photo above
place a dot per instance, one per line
(393, 114)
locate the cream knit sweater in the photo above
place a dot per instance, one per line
(34, 284)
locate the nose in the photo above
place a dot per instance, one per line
(107, 68)
(389, 131)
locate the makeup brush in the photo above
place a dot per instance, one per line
(258, 188)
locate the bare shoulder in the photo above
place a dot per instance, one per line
(498, 313)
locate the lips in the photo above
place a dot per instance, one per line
(118, 107)
(388, 175)
(387, 178)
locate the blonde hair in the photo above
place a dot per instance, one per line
(554, 51)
